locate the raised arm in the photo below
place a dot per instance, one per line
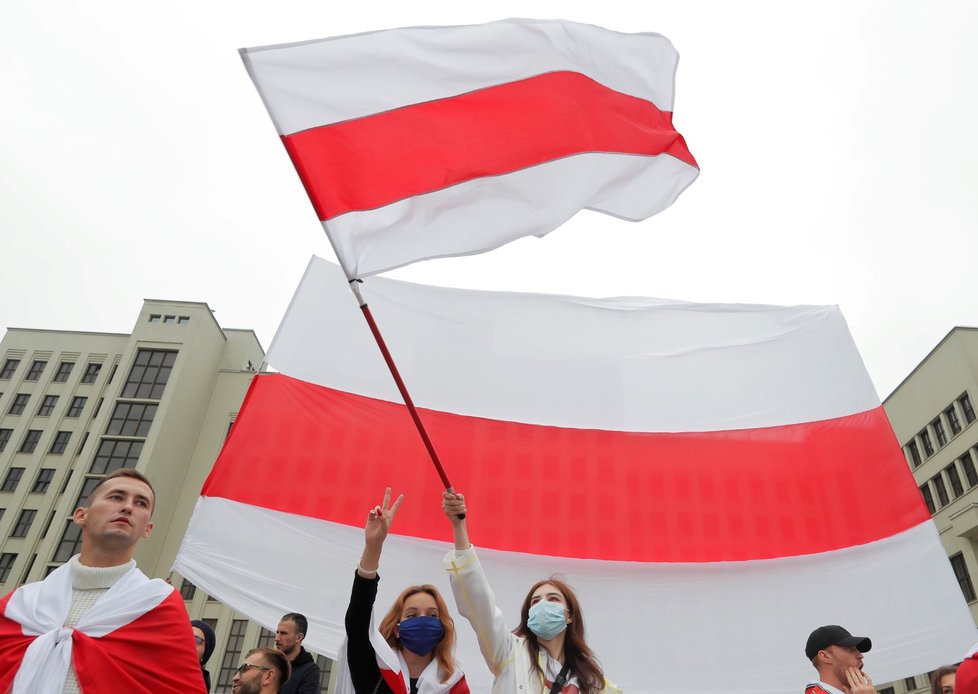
(360, 655)
(474, 598)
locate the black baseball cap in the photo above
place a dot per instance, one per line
(834, 635)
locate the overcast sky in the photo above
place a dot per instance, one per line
(837, 142)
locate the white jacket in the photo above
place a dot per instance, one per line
(505, 653)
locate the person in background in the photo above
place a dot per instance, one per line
(205, 640)
(264, 671)
(837, 655)
(289, 635)
(942, 681)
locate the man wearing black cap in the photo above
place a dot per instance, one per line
(838, 657)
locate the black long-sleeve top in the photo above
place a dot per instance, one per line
(360, 655)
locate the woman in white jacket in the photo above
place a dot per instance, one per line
(547, 653)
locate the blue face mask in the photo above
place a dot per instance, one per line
(420, 635)
(546, 619)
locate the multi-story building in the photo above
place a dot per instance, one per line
(75, 406)
(933, 416)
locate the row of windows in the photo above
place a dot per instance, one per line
(19, 404)
(41, 483)
(951, 478)
(37, 368)
(33, 436)
(160, 318)
(937, 427)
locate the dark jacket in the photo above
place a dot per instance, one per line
(305, 675)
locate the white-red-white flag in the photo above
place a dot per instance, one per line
(715, 480)
(437, 141)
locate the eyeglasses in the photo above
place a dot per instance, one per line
(244, 667)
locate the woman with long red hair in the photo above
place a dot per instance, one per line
(548, 651)
(412, 650)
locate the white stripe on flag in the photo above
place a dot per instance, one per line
(677, 628)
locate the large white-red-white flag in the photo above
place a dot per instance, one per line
(714, 480)
(437, 141)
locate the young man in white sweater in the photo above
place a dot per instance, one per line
(97, 624)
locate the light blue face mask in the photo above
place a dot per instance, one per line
(546, 619)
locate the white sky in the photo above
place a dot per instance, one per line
(837, 142)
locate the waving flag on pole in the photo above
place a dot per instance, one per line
(714, 480)
(438, 141)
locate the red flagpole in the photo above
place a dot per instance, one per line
(375, 331)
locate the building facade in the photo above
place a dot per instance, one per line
(934, 418)
(75, 406)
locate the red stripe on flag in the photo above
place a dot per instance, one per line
(374, 161)
(716, 496)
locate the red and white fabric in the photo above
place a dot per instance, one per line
(434, 141)
(714, 480)
(136, 638)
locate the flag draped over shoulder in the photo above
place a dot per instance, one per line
(437, 141)
(714, 480)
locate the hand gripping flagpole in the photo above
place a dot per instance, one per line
(405, 395)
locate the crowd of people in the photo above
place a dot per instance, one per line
(98, 625)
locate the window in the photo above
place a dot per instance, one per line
(232, 653)
(12, 479)
(7, 560)
(64, 371)
(60, 442)
(64, 485)
(149, 374)
(928, 498)
(43, 480)
(910, 683)
(952, 420)
(47, 526)
(886, 690)
(187, 590)
(2, 511)
(154, 318)
(325, 668)
(969, 411)
(70, 544)
(9, 367)
(914, 453)
(115, 367)
(266, 639)
(964, 578)
(30, 441)
(98, 407)
(88, 486)
(81, 446)
(113, 454)
(77, 405)
(955, 479)
(47, 405)
(925, 440)
(131, 419)
(91, 373)
(169, 319)
(4, 437)
(966, 462)
(941, 489)
(19, 403)
(37, 368)
(939, 432)
(24, 523)
(183, 320)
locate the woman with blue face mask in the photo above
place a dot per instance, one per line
(547, 653)
(412, 649)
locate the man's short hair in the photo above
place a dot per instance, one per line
(301, 623)
(275, 659)
(124, 472)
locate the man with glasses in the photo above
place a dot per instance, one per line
(263, 671)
